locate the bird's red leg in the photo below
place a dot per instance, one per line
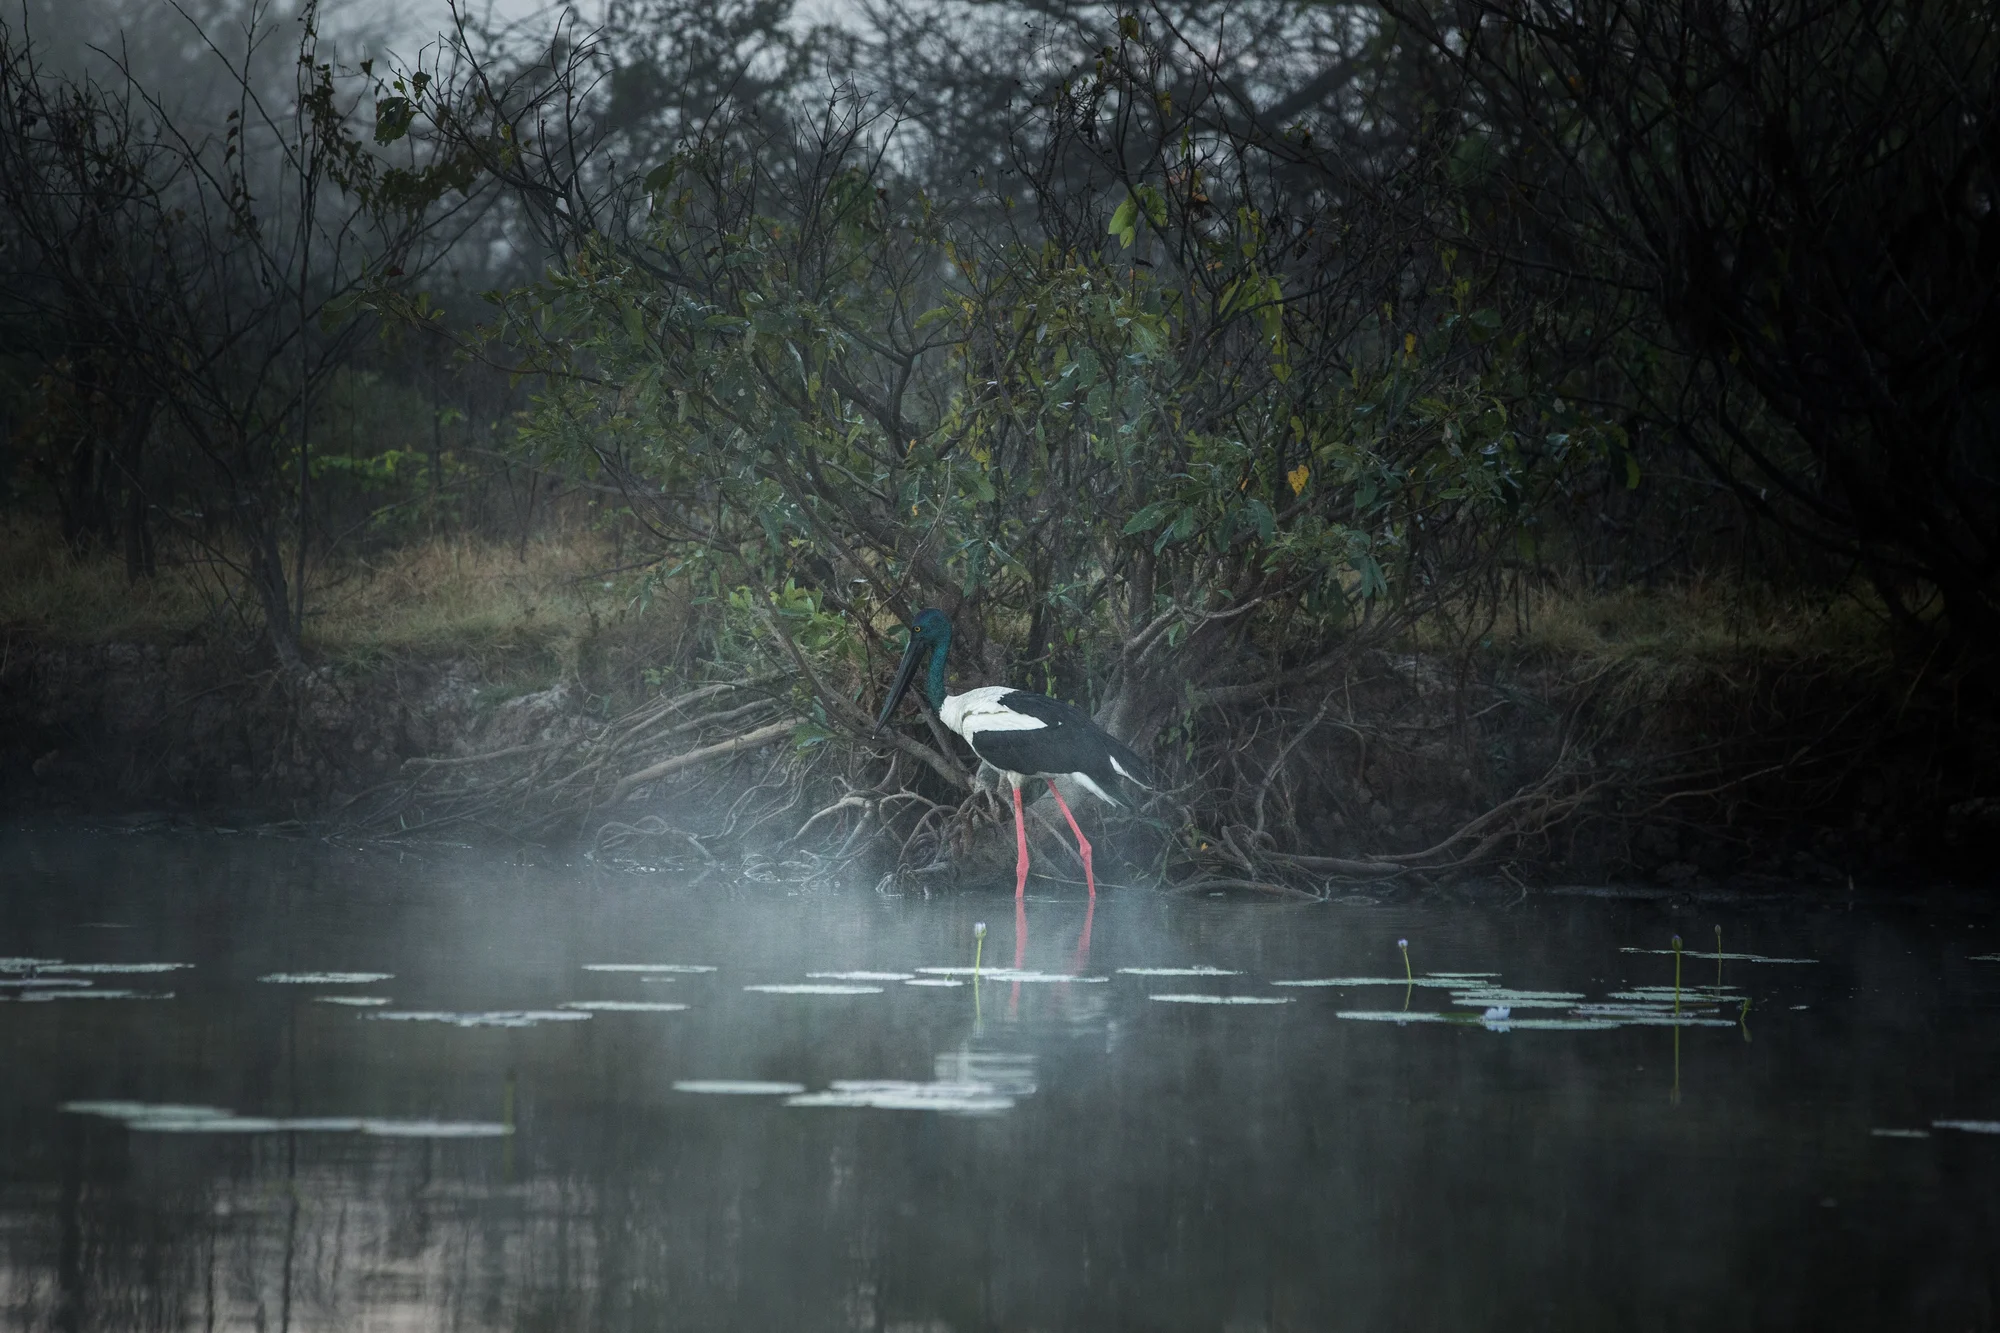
(1082, 843)
(1081, 959)
(1020, 903)
(1020, 847)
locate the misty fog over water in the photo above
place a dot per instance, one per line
(339, 1087)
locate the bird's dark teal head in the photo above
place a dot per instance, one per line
(930, 633)
(931, 626)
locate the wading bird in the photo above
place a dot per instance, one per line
(1022, 735)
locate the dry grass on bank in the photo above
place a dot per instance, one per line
(1702, 627)
(460, 595)
(48, 592)
(435, 597)
(1708, 645)
(535, 602)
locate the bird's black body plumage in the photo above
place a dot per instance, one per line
(1067, 742)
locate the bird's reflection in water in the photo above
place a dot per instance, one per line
(1081, 958)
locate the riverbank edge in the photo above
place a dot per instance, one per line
(1805, 773)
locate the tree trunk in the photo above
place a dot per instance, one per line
(131, 468)
(267, 576)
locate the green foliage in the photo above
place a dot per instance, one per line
(829, 387)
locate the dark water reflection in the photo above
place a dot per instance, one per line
(1161, 1165)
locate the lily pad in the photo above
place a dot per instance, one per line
(897, 1095)
(504, 1018)
(1200, 971)
(1438, 983)
(177, 1118)
(647, 967)
(624, 1006)
(117, 968)
(1501, 995)
(1728, 957)
(44, 996)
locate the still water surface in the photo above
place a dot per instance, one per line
(393, 1091)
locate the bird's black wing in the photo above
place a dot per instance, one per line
(1067, 742)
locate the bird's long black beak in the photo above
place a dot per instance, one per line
(904, 674)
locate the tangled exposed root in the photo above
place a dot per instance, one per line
(550, 786)
(1369, 780)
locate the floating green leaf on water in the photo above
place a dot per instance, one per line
(624, 1006)
(1969, 1126)
(726, 1087)
(127, 1110)
(860, 976)
(1222, 999)
(1436, 983)
(898, 1095)
(1482, 1000)
(1731, 957)
(376, 1128)
(647, 967)
(1638, 1016)
(44, 996)
(356, 1001)
(1665, 994)
(1201, 970)
(1502, 995)
(1900, 1133)
(176, 1118)
(118, 968)
(435, 1129)
(1010, 974)
(817, 988)
(326, 978)
(503, 1018)
(228, 1123)
(1621, 1010)
(1508, 1024)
